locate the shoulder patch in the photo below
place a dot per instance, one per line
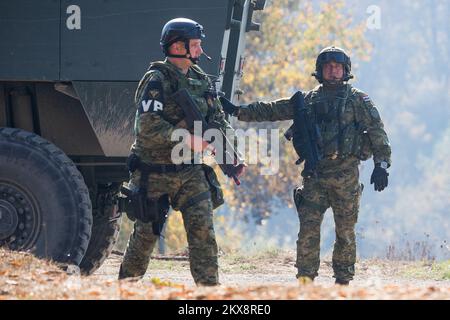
(152, 99)
(366, 98)
(375, 114)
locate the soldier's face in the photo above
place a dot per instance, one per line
(195, 47)
(332, 71)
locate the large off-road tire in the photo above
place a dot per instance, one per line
(44, 203)
(105, 229)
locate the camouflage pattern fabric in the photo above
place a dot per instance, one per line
(343, 115)
(337, 187)
(154, 127)
(198, 222)
(358, 108)
(157, 117)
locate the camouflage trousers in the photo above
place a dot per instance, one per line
(198, 222)
(336, 186)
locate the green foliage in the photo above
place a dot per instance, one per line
(279, 62)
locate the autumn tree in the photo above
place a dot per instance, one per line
(279, 61)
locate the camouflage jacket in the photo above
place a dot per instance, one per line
(349, 122)
(157, 115)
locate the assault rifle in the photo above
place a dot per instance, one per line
(230, 163)
(305, 136)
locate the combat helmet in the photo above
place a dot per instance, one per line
(337, 55)
(180, 29)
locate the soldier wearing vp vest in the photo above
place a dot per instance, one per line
(187, 186)
(351, 130)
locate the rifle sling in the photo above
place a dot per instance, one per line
(193, 200)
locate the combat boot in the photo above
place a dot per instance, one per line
(342, 282)
(124, 275)
(302, 280)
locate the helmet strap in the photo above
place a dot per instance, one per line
(183, 56)
(319, 76)
(338, 82)
(334, 83)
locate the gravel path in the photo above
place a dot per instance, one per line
(278, 270)
(267, 275)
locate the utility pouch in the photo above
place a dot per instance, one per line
(214, 186)
(362, 147)
(133, 162)
(138, 206)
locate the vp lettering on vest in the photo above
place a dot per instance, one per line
(151, 105)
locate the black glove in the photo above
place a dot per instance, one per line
(379, 178)
(228, 106)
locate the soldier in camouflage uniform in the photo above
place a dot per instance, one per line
(187, 185)
(351, 131)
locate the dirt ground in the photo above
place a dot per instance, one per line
(263, 276)
(277, 268)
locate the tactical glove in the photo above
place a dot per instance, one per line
(379, 178)
(228, 106)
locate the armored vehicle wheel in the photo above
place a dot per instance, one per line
(105, 229)
(44, 202)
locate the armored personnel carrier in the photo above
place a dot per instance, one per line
(68, 73)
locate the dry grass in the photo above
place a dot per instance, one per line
(22, 276)
(429, 270)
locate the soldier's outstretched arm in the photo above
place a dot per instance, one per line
(220, 117)
(259, 111)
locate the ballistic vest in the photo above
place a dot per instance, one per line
(199, 87)
(196, 82)
(338, 117)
